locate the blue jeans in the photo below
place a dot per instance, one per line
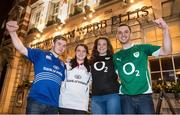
(106, 104)
(34, 107)
(137, 104)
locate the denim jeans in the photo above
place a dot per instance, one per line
(106, 104)
(34, 107)
(137, 104)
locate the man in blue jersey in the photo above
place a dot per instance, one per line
(49, 72)
(131, 63)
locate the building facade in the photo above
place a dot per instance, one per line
(82, 21)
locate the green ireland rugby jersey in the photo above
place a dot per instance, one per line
(132, 67)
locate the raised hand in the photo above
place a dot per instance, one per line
(12, 26)
(161, 23)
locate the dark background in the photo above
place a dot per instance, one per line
(5, 7)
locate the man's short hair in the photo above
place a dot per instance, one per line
(59, 37)
(125, 25)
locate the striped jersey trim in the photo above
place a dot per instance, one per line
(47, 76)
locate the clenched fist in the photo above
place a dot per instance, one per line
(161, 23)
(12, 26)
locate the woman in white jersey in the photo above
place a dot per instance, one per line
(74, 96)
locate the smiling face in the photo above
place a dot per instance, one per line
(59, 46)
(102, 47)
(123, 34)
(81, 53)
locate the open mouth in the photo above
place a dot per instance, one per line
(123, 38)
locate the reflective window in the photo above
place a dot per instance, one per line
(177, 62)
(166, 63)
(154, 65)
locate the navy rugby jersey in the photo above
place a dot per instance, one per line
(49, 73)
(104, 78)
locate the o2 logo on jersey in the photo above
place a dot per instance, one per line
(101, 67)
(133, 69)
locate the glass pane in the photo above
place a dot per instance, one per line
(178, 75)
(167, 63)
(169, 76)
(156, 76)
(177, 62)
(154, 65)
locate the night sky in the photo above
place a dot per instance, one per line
(5, 7)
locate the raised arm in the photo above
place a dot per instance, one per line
(12, 27)
(167, 43)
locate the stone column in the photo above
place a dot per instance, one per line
(11, 82)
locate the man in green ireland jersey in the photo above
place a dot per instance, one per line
(131, 63)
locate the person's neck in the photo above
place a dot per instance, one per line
(127, 45)
(80, 61)
(104, 54)
(54, 53)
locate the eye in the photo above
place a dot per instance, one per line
(99, 44)
(119, 32)
(126, 31)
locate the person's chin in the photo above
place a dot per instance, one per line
(59, 53)
(124, 42)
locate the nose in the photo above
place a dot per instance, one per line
(81, 52)
(101, 46)
(123, 34)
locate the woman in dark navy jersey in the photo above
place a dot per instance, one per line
(105, 85)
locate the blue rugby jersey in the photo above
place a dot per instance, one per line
(49, 73)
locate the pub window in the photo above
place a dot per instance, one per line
(55, 8)
(37, 16)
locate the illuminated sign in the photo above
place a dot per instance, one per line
(131, 15)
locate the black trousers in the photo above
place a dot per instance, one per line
(71, 111)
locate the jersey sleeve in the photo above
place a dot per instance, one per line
(33, 54)
(151, 50)
(65, 74)
(114, 63)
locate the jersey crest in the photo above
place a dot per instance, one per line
(48, 57)
(136, 54)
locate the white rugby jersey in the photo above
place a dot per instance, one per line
(75, 89)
